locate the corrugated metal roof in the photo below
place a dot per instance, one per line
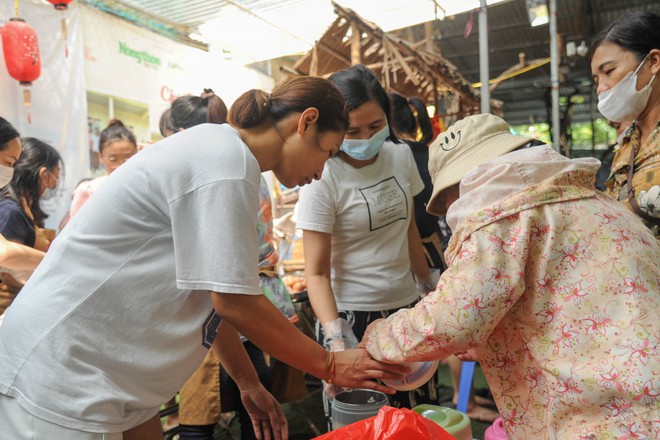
(525, 97)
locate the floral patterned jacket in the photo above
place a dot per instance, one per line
(557, 287)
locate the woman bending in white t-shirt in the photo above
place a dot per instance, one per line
(159, 267)
(359, 234)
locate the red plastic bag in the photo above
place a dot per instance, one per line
(390, 424)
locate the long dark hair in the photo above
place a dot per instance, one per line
(7, 133)
(358, 85)
(294, 95)
(188, 111)
(422, 118)
(26, 181)
(115, 131)
(637, 32)
(406, 121)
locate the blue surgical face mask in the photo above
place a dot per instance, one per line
(365, 149)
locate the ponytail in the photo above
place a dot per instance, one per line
(250, 109)
(292, 96)
(188, 111)
(423, 120)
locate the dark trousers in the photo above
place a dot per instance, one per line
(231, 393)
(227, 385)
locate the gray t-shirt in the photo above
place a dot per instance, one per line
(118, 314)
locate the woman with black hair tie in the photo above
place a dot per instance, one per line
(94, 353)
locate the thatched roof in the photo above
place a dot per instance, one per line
(402, 66)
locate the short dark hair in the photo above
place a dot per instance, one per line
(115, 131)
(637, 32)
(357, 85)
(7, 133)
(165, 123)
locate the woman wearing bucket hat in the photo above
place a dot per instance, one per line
(553, 284)
(625, 61)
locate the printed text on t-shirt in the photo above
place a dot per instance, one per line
(386, 203)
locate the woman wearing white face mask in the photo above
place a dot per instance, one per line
(359, 234)
(625, 63)
(16, 259)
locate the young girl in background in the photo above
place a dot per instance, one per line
(116, 145)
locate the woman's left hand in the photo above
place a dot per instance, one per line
(268, 419)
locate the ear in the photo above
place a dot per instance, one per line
(654, 58)
(42, 171)
(307, 118)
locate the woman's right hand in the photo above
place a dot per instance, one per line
(356, 369)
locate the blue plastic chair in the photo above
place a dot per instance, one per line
(465, 386)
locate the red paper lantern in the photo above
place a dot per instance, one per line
(21, 50)
(60, 5)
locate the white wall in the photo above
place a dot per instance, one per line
(59, 103)
(112, 57)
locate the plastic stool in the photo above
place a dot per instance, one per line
(496, 431)
(465, 386)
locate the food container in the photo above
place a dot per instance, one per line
(420, 374)
(351, 406)
(454, 422)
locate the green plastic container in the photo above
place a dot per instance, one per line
(454, 422)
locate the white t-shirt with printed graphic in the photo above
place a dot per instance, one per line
(118, 315)
(367, 211)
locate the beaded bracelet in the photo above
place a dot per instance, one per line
(331, 378)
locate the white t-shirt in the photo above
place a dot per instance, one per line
(367, 211)
(118, 315)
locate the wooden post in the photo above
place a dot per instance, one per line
(314, 65)
(356, 52)
(429, 31)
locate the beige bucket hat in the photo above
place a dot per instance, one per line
(464, 146)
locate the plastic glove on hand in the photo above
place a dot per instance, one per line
(649, 201)
(338, 335)
(428, 285)
(331, 390)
